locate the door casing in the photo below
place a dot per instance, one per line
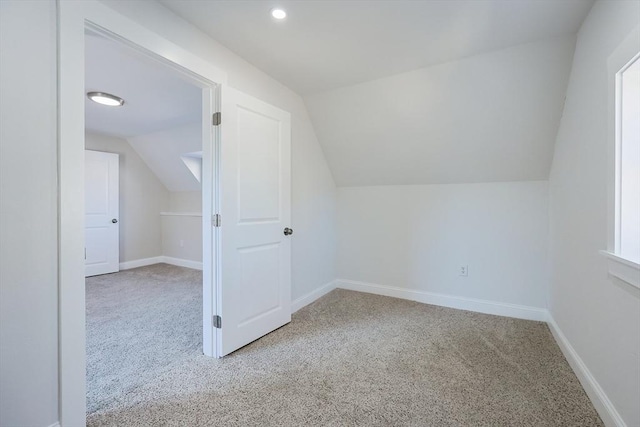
(73, 19)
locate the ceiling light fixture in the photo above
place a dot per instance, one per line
(278, 13)
(105, 99)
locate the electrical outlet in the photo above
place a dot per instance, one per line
(463, 270)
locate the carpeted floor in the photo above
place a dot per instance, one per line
(349, 359)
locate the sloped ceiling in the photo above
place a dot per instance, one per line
(491, 117)
(161, 117)
(323, 45)
(162, 151)
(156, 97)
(415, 92)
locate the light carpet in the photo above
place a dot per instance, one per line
(349, 359)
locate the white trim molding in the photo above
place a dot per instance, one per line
(598, 397)
(73, 20)
(127, 265)
(56, 424)
(196, 265)
(197, 214)
(623, 269)
(312, 296)
(462, 303)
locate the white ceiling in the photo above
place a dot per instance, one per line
(491, 117)
(156, 97)
(324, 45)
(162, 152)
(399, 92)
(161, 117)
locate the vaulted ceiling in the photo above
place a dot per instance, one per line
(486, 118)
(414, 92)
(161, 117)
(156, 97)
(399, 92)
(324, 45)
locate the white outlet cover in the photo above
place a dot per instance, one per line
(463, 270)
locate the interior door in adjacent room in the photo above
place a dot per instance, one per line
(255, 208)
(102, 253)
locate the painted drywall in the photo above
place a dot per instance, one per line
(487, 118)
(182, 234)
(28, 220)
(144, 231)
(114, 68)
(416, 237)
(599, 317)
(185, 201)
(28, 327)
(313, 192)
(161, 151)
(142, 198)
(325, 45)
(182, 237)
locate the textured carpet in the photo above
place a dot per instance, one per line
(349, 359)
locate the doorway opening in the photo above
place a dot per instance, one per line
(143, 220)
(252, 192)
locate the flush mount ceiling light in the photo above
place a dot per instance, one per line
(105, 99)
(278, 13)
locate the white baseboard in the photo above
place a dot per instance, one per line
(312, 296)
(182, 262)
(470, 304)
(601, 402)
(127, 265)
(56, 424)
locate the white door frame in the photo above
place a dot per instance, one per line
(73, 18)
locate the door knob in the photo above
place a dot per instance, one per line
(114, 220)
(288, 231)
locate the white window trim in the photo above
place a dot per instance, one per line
(620, 268)
(623, 269)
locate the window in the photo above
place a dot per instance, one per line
(624, 250)
(627, 227)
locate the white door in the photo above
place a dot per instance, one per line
(101, 234)
(255, 208)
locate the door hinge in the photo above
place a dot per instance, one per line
(217, 322)
(217, 118)
(216, 220)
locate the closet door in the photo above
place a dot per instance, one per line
(102, 230)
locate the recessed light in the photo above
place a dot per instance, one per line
(278, 13)
(105, 99)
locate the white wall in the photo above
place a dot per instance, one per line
(28, 249)
(144, 232)
(600, 318)
(185, 201)
(415, 237)
(313, 193)
(28, 221)
(142, 198)
(182, 235)
(161, 152)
